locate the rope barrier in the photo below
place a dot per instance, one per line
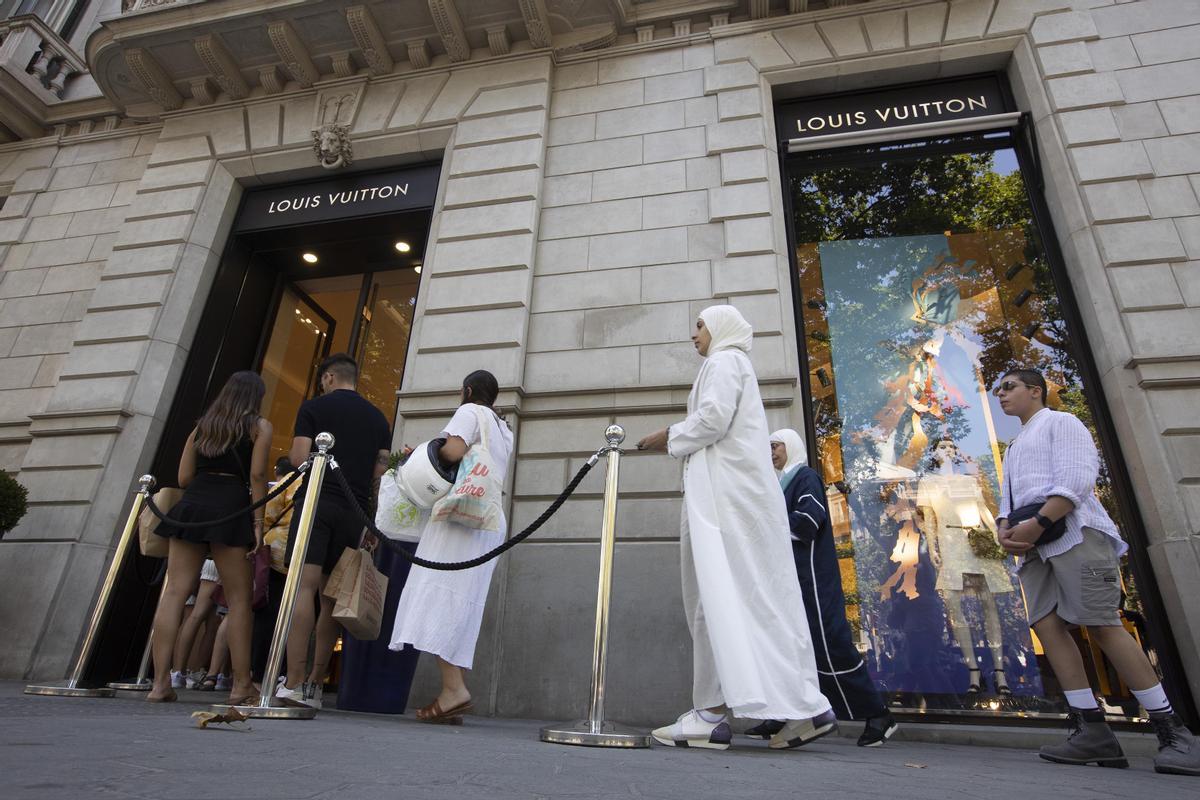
(489, 555)
(271, 495)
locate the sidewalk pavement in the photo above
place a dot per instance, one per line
(78, 749)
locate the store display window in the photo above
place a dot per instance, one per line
(921, 277)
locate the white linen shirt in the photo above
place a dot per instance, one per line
(1054, 455)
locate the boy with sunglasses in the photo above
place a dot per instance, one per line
(1074, 579)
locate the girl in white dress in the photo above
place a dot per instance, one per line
(440, 611)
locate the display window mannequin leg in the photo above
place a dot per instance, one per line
(961, 629)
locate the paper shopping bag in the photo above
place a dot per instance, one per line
(360, 609)
(347, 565)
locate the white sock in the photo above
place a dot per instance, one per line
(708, 716)
(1082, 699)
(1154, 699)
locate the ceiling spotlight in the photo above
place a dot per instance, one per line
(417, 269)
(403, 247)
(309, 258)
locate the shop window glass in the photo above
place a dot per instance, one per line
(922, 278)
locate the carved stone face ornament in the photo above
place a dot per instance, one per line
(331, 143)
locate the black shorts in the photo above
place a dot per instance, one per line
(335, 528)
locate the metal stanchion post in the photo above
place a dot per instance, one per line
(141, 683)
(74, 687)
(268, 707)
(595, 731)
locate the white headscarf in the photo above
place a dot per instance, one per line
(797, 453)
(728, 328)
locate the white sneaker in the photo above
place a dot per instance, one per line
(177, 679)
(295, 695)
(224, 683)
(797, 732)
(312, 695)
(692, 730)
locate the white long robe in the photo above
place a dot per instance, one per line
(440, 612)
(751, 645)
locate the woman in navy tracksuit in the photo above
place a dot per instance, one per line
(843, 675)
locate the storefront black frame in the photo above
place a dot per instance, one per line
(1023, 139)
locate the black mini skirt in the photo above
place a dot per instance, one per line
(211, 497)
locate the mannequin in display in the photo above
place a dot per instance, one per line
(952, 506)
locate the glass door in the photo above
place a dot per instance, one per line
(922, 277)
(300, 336)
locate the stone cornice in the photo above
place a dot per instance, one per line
(155, 81)
(370, 40)
(450, 28)
(293, 52)
(221, 66)
(537, 22)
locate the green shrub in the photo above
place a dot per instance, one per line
(12, 502)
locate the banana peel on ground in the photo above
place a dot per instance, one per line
(204, 718)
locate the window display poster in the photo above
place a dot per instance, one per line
(911, 321)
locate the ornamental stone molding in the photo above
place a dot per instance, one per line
(222, 67)
(252, 48)
(293, 51)
(155, 81)
(450, 28)
(537, 22)
(370, 40)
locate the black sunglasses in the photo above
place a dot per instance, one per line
(1007, 386)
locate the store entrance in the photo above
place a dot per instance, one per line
(923, 271)
(282, 299)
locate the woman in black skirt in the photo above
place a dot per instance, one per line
(223, 469)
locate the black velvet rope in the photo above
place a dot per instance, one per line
(271, 495)
(474, 562)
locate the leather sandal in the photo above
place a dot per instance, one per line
(436, 715)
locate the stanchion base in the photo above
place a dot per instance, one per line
(606, 734)
(269, 712)
(70, 691)
(132, 686)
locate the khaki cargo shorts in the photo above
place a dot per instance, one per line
(1083, 585)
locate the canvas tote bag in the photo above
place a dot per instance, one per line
(475, 499)
(151, 544)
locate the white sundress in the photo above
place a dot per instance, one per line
(440, 611)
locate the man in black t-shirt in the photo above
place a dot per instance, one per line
(362, 441)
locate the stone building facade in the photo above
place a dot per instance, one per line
(607, 170)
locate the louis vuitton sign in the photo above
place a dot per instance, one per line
(346, 196)
(891, 108)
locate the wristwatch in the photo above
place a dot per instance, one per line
(1044, 521)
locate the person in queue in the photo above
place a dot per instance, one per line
(222, 470)
(277, 520)
(1052, 465)
(843, 673)
(440, 612)
(362, 438)
(752, 652)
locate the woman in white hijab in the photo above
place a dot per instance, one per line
(752, 653)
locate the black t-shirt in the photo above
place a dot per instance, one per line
(360, 431)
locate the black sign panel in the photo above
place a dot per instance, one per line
(357, 195)
(891, 108)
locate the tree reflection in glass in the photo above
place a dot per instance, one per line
(922, 279)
